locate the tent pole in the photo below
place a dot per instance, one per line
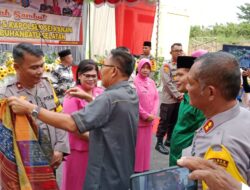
(89, 13)
(157, 28)
(85, 28)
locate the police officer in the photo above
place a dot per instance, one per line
(28, 63)
(170, 100)
(213, 85)
(62, 76)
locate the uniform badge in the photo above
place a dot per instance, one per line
(208, 126)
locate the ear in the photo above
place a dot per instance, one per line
(114, 71)
(16, 66)
(211, 92)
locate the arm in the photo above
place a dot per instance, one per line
(54, 80)
(156, 101)
(57, 120)
(70, 105)
(77, 92)
(92, 116)
(144, 115)
(168, 81)
(57, 83)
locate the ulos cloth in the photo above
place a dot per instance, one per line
(23, 164)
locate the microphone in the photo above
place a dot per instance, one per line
(41, 36)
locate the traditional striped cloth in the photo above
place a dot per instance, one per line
(23, 164)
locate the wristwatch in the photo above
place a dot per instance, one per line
(35, 112)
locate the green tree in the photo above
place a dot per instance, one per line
(245, 12)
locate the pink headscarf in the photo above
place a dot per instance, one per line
(199, 52)
(141, 63)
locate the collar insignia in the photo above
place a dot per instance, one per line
(208, 126)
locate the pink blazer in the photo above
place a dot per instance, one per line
(70, 105)
(148, 95)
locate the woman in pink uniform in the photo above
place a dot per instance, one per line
(148, 107)
(75, 165)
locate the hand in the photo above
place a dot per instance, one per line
(20, 106)
(84, 136)
(215, 176)
(56, 159)
(79, 93)
(150, 118)
(180, 98)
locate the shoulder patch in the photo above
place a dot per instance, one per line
(2, 90)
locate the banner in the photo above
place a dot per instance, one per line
(57, 22)
(242, 53)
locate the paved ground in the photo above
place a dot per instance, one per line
(158, 160)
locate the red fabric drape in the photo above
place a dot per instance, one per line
(99, 1)
(117, 1)
(134, 24)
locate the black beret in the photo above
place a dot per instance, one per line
(147, 43)
(64, 53)
(185, 62)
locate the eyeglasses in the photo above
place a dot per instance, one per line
(177, 50)
(103, 65)
(88, 76)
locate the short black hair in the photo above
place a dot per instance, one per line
(175, 44)
(20, 49)
(221, 70)
(85, 66)
(124, 60)
(123, 48)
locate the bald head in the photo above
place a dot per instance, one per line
(220, 70)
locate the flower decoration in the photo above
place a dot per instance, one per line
(7, 70)
(99, 59)
(6, 66)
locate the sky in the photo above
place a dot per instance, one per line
(210, 12)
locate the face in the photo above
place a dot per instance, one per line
(30, 70)
(181, 79)
(176, 51)
(107, 72)
(145, 70)
(196, 93)
(146, 50)
(68, 60)
(88, 79)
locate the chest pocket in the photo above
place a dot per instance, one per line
(46, 102)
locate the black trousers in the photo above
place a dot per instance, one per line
(168, 118)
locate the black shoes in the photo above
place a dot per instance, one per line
(167, 143)
(161, 148)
